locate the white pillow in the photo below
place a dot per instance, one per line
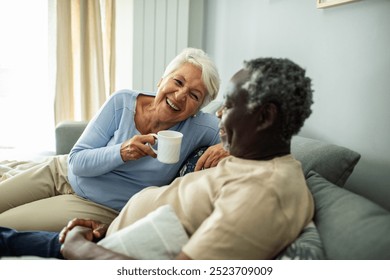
(158, 236)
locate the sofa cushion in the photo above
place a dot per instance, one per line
(333, 162)
(351, 227)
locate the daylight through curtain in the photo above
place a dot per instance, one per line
(85, 57)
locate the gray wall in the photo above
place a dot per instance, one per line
(346, 51)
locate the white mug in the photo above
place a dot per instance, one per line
(168, 146)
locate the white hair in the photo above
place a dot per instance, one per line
(200, 59)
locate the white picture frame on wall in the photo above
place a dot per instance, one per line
(330, 3)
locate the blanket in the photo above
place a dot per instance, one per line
(9, 168)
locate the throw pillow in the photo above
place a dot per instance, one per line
(335, 163)
(190, 163)
(308, 246)
(351, 227)
(158, 236)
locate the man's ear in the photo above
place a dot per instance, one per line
(268, 114)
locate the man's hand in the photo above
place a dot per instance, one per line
(79, 245)
(76, 241)
(211, 157)
(97, 229)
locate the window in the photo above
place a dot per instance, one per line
(26, 103)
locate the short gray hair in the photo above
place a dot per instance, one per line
(200, 59)
(284, 83)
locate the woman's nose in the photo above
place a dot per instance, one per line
(181, 94)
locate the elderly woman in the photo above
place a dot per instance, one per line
(110, 162)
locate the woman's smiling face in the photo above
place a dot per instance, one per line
(180, 94)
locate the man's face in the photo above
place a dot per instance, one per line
(180, 94)
(237, 121)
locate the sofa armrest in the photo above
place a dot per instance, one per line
(67, 133)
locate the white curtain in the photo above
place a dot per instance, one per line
(85, 57)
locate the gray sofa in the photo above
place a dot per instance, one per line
(346, 225)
